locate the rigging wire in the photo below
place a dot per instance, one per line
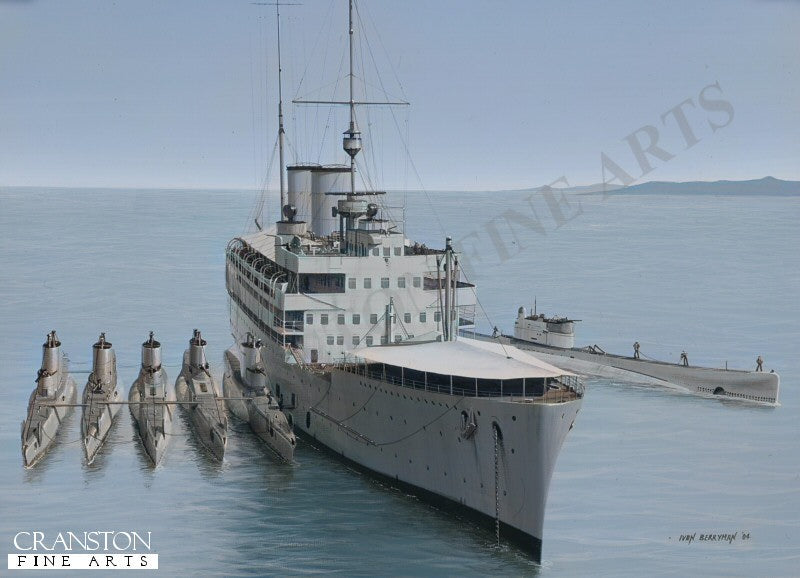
(403, 141)
(485, 312)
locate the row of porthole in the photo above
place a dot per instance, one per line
(410, 397)
(513, 417)
(308, 425)
(738, 395)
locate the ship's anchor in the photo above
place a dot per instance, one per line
(468, 424)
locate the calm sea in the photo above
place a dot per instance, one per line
(717, 276)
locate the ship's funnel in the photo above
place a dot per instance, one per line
(254, 370)
(103, 360)
(151, 354)
(51, 354)
(197, 350)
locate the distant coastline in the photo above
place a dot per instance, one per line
(767, 186)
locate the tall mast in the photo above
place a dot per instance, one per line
(280, 113)
(352, 138)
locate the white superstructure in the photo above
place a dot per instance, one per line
(360, 332)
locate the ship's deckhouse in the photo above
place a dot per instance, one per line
(303, 291)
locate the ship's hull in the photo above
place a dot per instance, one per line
(153, 415)
(269, 424)
(206, 414)
(416, 438)
(44, 419)
(756, 386)
(98, 417)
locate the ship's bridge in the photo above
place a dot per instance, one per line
(463, 367)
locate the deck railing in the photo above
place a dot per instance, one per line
(559, 390)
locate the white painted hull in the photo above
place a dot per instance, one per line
(44, 419)
(153, 415)
(205, 410)
(98, 417)
(755, 386)
(414, 437)
(267, 423)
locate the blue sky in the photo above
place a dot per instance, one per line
(505, 94)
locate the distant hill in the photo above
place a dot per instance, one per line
(768, 186)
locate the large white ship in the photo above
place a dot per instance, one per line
(360, 330)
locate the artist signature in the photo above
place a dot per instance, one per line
(729, 538)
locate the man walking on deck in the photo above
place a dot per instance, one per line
(760, 363)
(636, 350)
(684, 359)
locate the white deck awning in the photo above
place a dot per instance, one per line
(464, 358)
(262, 241)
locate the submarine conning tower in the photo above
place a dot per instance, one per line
(51, 353)
(197, 350)
(103, 360)
(254, 371)
(151, 354)
(51, 363)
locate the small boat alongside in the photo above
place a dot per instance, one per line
(197, 392)
(553, 338)
(101, 398)
(151, 401)
(250, 399)
(50, 403)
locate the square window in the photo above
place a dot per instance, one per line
(387, 251)
(323, 318)
(384, 282)
(383, 340)
(423, 317)
(406, 317)
(340, 319)
(373, 318)
(309, 319)
(376, 252)
(340, 340)
(437, 316)
(398, 338)
(367, 283)
(356, 319)
(355, 339)
(398, 250)
(401, 282)
(417, 281)
(351, 283)
(330, 339)
(369, 340)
